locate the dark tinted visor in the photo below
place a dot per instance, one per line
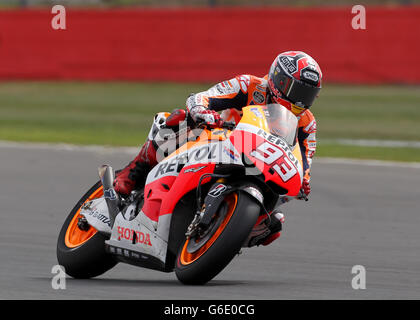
(296, 91)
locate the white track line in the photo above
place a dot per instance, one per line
(67, 147)
(374, 163)
(134, 150)
(373, 143)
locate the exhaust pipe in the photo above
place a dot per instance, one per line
(106, 173)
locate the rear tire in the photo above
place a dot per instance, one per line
(197, 267)
(82, 253)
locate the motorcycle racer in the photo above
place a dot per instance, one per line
(294, 81)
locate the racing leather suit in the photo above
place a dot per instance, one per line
(230, 97)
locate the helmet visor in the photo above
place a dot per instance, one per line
(296, 91)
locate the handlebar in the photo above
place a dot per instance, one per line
(302, 196)
(229, 125)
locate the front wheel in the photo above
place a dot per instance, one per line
(82, 252)
(201, 258)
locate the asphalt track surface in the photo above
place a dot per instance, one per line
(358, 214)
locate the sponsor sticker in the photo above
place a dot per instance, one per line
(205, 153)
(110, 194)
(231, 153)
(133, 235)
(257, 112)
(258, 97)
(99, 216)
(217, 190)
(289, 65)
(196, 169)
(244, 82)
(312, 76)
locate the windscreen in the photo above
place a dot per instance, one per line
(282, 123)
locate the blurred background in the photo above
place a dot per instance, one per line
(119, 62)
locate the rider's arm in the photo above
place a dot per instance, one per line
(307, 141)
(232, 93)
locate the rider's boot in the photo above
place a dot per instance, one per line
(267, 231)
(133, 176)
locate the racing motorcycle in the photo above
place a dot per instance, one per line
(198, 205)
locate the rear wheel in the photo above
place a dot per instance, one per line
(202, 257)
(81, 251)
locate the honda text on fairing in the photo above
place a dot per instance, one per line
(198, 205)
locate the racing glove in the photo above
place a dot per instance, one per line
(202, 115)
(306, 188)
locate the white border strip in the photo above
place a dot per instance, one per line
(135, 150)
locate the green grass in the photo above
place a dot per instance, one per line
(85, 113)
(120, 113)
(369, 112)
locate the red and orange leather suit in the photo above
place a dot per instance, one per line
(232, 95)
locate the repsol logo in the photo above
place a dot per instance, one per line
(203, 154)
(280, 142)
(134, 236)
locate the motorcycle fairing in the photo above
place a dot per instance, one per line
(180, 172)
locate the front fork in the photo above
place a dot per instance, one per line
(213, 200)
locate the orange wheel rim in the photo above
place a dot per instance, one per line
(74, 235)
(187, 257)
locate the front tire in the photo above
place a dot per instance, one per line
(200, 260)
(82, 252)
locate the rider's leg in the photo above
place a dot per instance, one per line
(165, 126)
(135, 173)
(267, 230)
